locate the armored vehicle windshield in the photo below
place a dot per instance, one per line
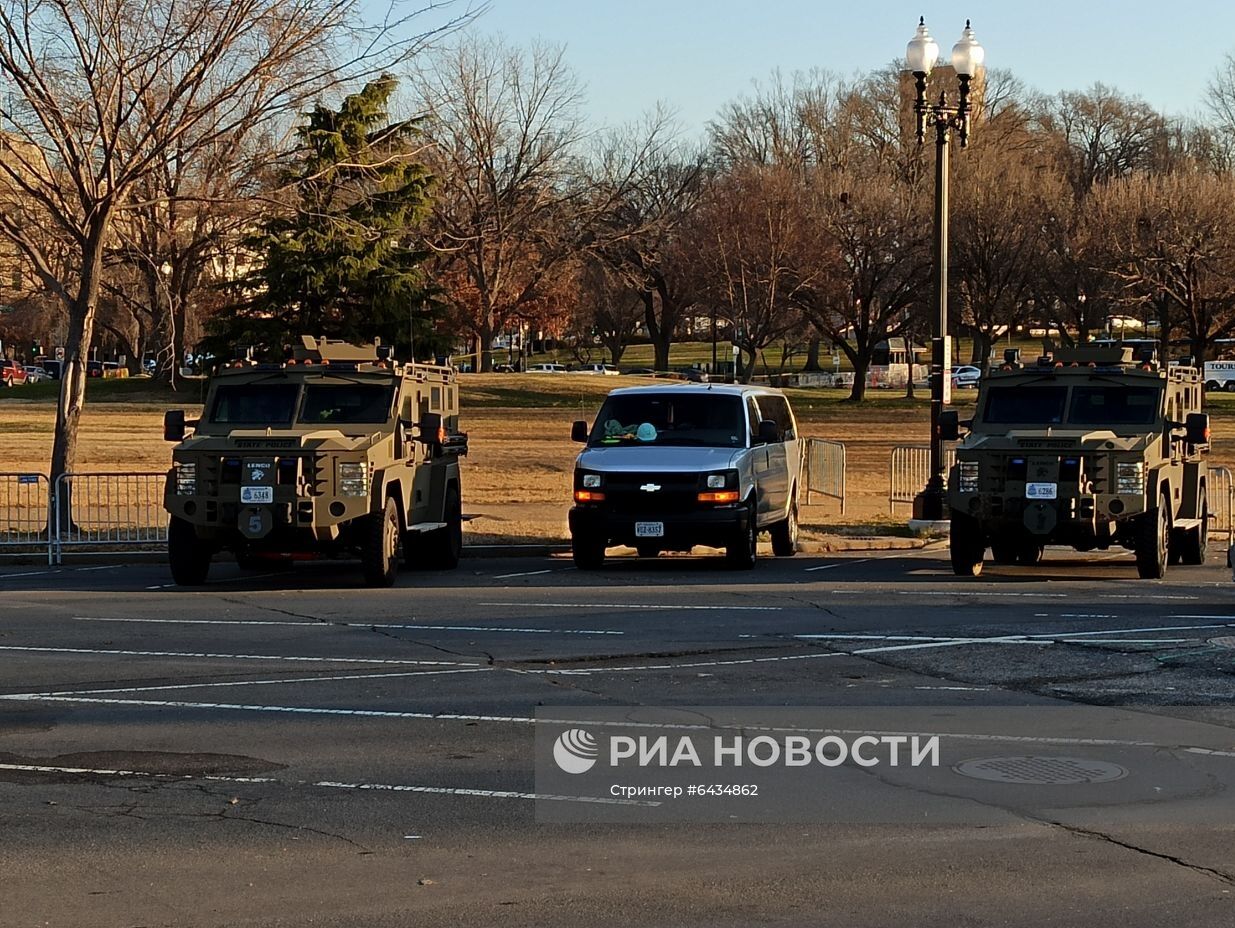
(289, 397)
(1116, 406)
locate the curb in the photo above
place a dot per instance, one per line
(540, 549)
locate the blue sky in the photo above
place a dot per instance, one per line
(696, 55)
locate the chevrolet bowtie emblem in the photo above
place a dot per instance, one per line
(650, 487)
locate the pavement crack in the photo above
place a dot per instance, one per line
(1211, 872)
(229, 816)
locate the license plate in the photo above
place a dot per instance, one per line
(649, 529)
(1039, 491)
(257, 494)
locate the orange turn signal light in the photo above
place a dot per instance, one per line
(719, 496)
(589, 496)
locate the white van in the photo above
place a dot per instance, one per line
(670, 467)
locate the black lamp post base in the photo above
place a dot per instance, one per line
(931, 505)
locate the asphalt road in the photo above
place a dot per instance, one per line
(294, 749)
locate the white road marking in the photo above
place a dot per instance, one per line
(955, 642)
(329, 624)
(958, 689)
(874, 637)
(665, 607)
(1149, 628)
(970, 593)
(287, 710)
(271, 682)
(863, 560)
(525, 720)
(525, 573)
(328, 784)
(30, 573)
(1141, 597)
(238, 657)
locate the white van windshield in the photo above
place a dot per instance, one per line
(705, 419)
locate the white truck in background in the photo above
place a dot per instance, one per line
(1219, 375)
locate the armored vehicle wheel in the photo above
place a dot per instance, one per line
(442, 549)
(647, 550)
(188, 556)
(967, 546)
(785, 534)
(1229, 386)
(741, 554)
(379, 542)
(588, 553)
(1005, 552)
(1029, 553)
(1153, 534)
(1194, 543)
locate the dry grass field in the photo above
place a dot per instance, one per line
(517, 478)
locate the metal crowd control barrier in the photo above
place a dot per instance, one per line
(1221, 496)
(109, 511)
(825, 470)
(911, 465)
(24, 503)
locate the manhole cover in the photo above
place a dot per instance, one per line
(1053, 771)
(1226, 641)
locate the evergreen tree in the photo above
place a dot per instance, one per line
(346, 262)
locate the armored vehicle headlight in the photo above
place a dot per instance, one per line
(967, 476)
(1130, 477)
(354, 478)
(591, 481)
(186, 479)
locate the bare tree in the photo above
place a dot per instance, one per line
(113, 89)
(1172, 247)
(999, 240)
(1103, 134)
(875, 263)
(648, 187)
(505, 132)
(746, 235)
(610, 309)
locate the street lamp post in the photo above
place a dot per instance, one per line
(967, 57)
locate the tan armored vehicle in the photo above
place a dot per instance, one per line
(336, 453)
(1091, 448)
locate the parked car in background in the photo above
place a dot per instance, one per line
(11, 373)
(607, 370)
(35, 374)
(505, 369)
(966, 376)
(547, 369)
